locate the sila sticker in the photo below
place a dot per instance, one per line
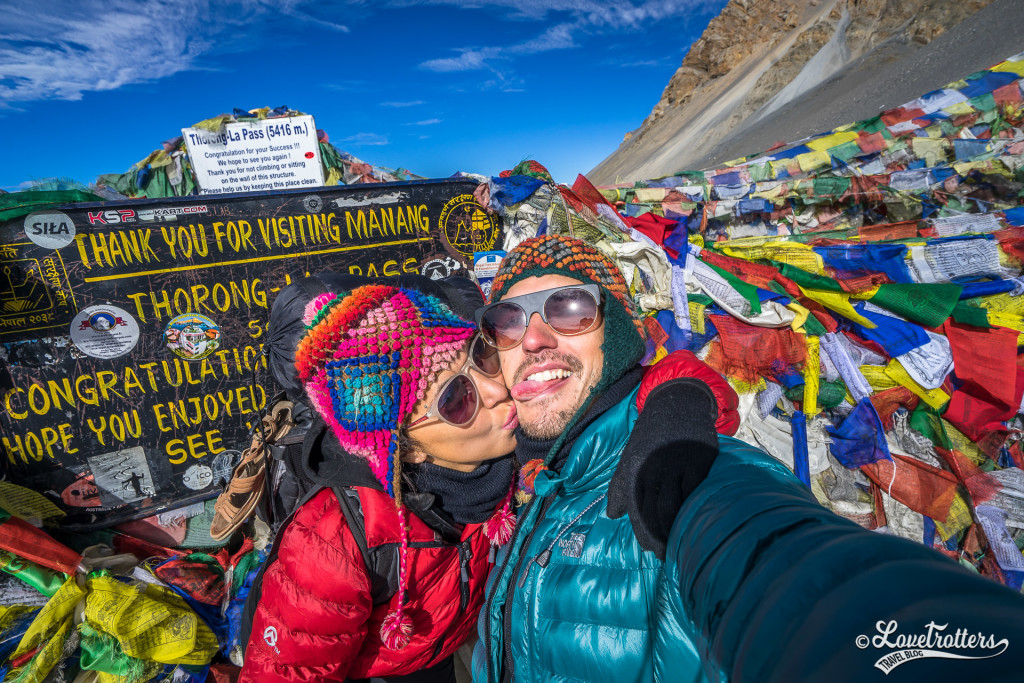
(50, 229)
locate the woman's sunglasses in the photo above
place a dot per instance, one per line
(458, 400)
(568, 310)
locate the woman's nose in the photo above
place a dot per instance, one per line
(492, 389)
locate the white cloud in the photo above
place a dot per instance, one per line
(62, 49)
(574, 17)
(366, 139)
(425, 122)
(57, 49)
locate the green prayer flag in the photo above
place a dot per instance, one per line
(17, 204)
(747, 291)
(44, 580)
(969, 315)
(813, 326)
(927, 304)
(831, 187)
(808, 280)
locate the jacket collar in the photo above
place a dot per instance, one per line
(595, 453)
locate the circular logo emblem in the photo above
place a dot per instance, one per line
(192, 336)
(270, 636)
(198, 477)
(466, 227)
(313, 204)
(104, 331)
(50, 229)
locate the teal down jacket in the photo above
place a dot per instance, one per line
(774, 587)
(590, 613)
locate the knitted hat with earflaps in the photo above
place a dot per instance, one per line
(366, 358)
(624, 332)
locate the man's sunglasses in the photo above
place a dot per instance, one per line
(568, 310)
(458, 400)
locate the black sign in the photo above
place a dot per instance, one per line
(131, 333)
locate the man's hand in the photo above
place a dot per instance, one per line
(672, 446)
(679, 364)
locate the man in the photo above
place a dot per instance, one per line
(574, 595)
(761, 582)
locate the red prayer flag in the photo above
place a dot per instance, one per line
(35, 545)
(985, 361)
(918, 485)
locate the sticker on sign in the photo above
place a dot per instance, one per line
(249, 156)
(50, 229)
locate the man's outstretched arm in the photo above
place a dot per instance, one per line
(774, 587)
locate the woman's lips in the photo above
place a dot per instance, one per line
(513, 419)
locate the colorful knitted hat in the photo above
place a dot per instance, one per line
(366, 358)
(624, 332)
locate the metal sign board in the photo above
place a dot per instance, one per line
(131, 332)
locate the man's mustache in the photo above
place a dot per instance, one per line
(574, 364)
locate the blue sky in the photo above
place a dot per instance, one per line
(435, 86)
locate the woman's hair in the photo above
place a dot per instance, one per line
(408, 444)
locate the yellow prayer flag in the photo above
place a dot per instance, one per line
(650, 195)
(1012, 67)
(830, 141)
(865, 294)
(812, 368)
(811, 161)
(877, 378)
(742, 387)
(838, 302)
(802, 313)
(959, 109)
(697, 317)
(936, 398)
(1003, 303)
(959, 518)
(796, 254)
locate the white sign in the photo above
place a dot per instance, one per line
(249, 156)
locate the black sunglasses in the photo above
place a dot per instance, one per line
(459, 399)
(568, 310)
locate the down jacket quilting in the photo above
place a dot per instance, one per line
(316, 621)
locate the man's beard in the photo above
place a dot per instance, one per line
(552, 423)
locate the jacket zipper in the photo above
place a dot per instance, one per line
(506, 619)
(488, 639)
(465, 554)
(542, 558)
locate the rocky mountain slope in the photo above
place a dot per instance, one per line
(772, 70)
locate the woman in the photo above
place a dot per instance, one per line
(408, 387)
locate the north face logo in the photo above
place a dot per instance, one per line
(270, 637)
(572, 545)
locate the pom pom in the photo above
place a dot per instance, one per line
(529, 473)
(499, 527)
(314, 307)
(396, 630)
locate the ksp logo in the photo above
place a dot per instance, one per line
(112, 216)
(270, 638)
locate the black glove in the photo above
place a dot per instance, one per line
(669, 453)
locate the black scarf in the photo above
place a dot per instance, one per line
(467, 497)
(532, 449)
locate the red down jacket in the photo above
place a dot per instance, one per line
(315, 620)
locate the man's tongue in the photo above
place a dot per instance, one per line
(532, 388)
